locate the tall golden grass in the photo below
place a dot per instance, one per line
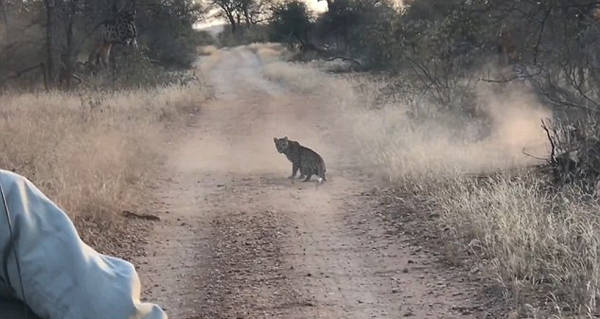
(94, 153)
(536, 243)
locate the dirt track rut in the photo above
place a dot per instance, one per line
(240, 240)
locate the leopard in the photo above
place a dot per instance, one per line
(303, 158)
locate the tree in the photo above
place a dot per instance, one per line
(55, 32)
(53, 41)
(168, 33)
(230, 9)
(291, 19)
(254, 11)
(4, 14)
(251, 11)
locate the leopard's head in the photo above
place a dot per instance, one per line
(281, 144)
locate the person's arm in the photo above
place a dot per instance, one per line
(62, 276)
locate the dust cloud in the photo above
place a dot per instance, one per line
(401, 147)
(385, 139)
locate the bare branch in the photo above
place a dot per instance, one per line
(553, 147)
(532, 156)
(18, 74)
(343, 59)
(536, 48)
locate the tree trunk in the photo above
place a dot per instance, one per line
(53, 61)
(247, 17)
(4, 15)
(69, 57)
(232, 21)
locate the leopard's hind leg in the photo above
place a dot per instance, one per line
(308, 176)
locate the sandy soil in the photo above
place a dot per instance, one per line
(238, 239)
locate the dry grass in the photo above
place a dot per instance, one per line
(207, 50)
(268, 55)
(270, 52)
(300, 78)
(535, 241)
(429, 149)
(256, 47)
(537, 244)
(336, 65)
(209, 60)
(93, 153)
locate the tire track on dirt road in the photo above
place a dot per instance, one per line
(242, 241)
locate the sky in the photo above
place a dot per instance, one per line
(215, 24)
(317, 6)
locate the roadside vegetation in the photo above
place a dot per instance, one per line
(95, 143)
(482, 118)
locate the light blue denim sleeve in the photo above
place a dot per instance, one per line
(63, 278)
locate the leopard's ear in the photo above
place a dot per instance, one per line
(275, 139)
(285, 138)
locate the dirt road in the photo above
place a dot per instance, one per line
(240, 240)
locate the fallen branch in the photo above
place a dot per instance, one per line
(495, 174)
(512, 78)
(533, 156)
(553, 147)
(140, 216)
(343, 59)
(76, 77)
(18, 74)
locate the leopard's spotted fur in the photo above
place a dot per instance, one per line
(303, 158)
